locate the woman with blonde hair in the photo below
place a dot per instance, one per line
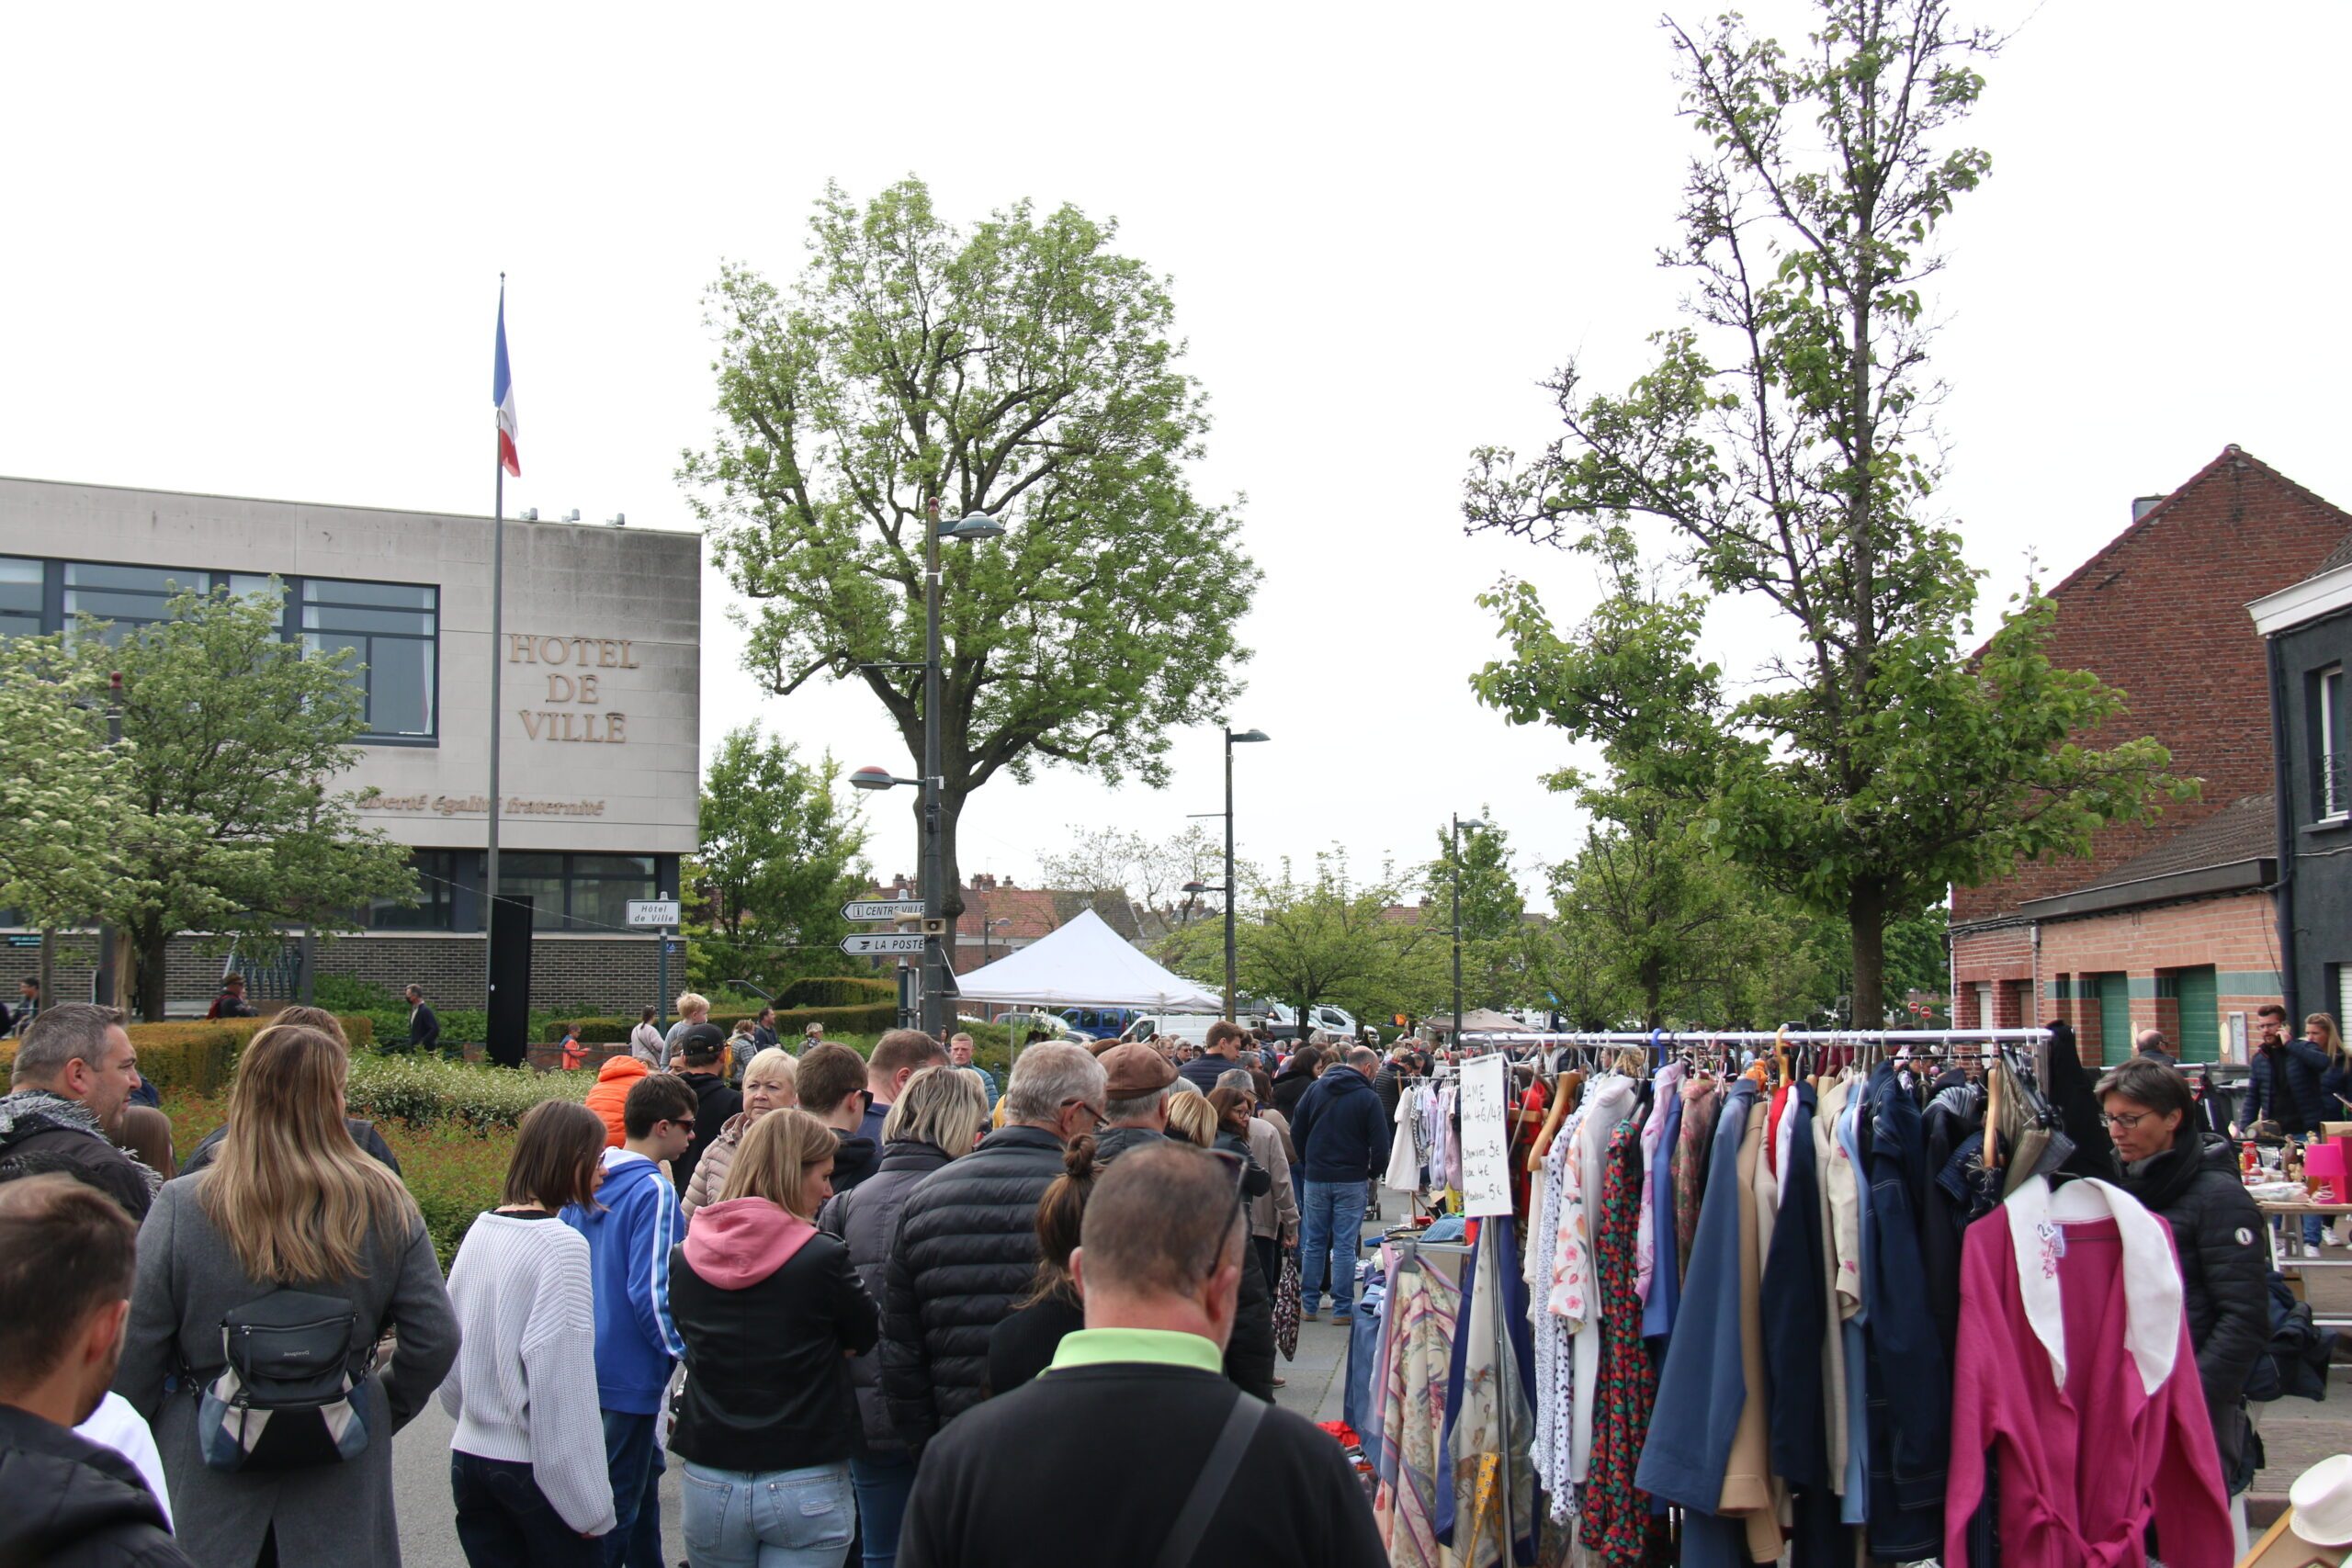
(290, 1223)
(938, 1117)
(363, 1132)
(770, 1083)
(769, 1310)
(1193, 1119)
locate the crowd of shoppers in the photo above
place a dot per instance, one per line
(799, 1294)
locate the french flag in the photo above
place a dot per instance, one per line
(501, 392)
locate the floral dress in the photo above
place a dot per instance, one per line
(1618, 1525)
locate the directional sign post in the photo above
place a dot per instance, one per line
(882, 909)
(661, 916)
(878, 942)
(656, 912)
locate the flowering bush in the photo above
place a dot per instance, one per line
(427, 1093)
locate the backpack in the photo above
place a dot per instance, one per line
(291, 1393)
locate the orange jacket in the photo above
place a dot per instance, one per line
(613, 1080)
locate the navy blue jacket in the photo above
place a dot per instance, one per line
(2306, 1101)
(1799, 1316)
(1702, 1387)
(1340, 1133)
(1910, 1387)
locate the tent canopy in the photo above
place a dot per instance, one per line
(1084, 963)
(1477, 1021)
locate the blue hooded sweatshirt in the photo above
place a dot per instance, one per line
(629, 1235)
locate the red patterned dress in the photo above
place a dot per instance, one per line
(1617, 1522)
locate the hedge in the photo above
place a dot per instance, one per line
(866, 1018)
(424, 1092)
(201, 1055)
(837, 991)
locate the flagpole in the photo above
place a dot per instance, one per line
(497, 662)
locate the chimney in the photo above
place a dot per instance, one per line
(2144, 504)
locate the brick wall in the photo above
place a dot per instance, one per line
(607, 975)
(2160, 613)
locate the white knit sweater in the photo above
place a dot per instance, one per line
(524, 1386)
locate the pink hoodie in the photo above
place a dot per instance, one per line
(735, 1245)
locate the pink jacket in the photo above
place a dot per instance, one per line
(2084, 1470)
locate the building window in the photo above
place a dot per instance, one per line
(580, 893)
(390, 629)
(21, 596)
(435, 909)
(127, 596)
(2334, 797)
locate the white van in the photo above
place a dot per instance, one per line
(1190, 1027)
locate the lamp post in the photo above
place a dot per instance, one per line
(1245, 738)
(1460, 822)
(988, 926)
(929, 1013)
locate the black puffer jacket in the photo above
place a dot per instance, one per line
(867, 1219)
(43, 1131)
(2224, 1270)
(65, 1502)
(967, 1249)
(1290, 1085)
(2290, 1086)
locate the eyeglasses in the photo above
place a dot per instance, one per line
(2125, 1121)
(1099, 1114)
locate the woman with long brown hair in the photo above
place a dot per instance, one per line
(526, 1462)
(770, 1311)
(289, 1208)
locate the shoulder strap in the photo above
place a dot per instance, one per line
(1215, 1478)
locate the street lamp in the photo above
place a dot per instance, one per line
(988, 926)
(1232, 738)
(972, 527)
(1471, 823)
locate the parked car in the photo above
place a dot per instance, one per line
(1019, 1024)
(1281, 1022)
(1099, 1023)
(1187, 1026)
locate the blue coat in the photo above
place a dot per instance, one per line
(1702, 1387)
(630, 1231)
(1910, 1401)
(1341, 1133)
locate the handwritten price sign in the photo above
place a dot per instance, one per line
(1485, 1139)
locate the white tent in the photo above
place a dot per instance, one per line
(1084, 963)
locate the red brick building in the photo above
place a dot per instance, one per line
(2170, 925)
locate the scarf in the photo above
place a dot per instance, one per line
(2151, 1288)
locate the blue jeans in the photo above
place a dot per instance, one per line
(633, 1458)
(1330, 1222)
(780, 1519)
(505, 1521)
(882, 1486)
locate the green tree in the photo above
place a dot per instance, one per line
(236, 740)
(1022, 368)
(1151, 874)
(1784, 449)
(65, 807)
(1321, 938)
(780, 852)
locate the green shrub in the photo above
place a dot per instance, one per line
(197, 1055)
(837, 991)
(424, 1092)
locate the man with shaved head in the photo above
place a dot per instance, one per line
(1041, 1476)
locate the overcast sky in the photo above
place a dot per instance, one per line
(261, 258)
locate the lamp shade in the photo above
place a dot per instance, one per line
(974, 525)
(872, 778)
(1244, 737)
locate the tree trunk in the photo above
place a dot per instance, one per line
(149, 943)
(951, 873)
(1866, 913)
